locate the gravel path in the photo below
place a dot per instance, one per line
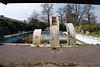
(24, 54)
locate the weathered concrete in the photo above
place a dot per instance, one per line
(71, 40)
(54, 31)
(37, 37)
(19, 54)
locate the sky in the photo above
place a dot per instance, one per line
(24, 10)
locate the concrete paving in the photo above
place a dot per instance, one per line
(89, 54)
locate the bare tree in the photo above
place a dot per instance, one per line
(89, 14)
(78, 13)
(93, 19)
(61, 12)
(35, 15)
(43, 18)
(68, 9)
(47, 10)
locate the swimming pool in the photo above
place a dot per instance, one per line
(82, 38)
(15, 37)
(45, 36)
(86, 39)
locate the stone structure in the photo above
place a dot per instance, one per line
(87, 32)
(37, 37)
(54, 31)
(71, 40)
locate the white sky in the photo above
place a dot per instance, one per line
(24, 10)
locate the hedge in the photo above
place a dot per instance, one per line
(91, 28)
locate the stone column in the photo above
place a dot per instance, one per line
(54, 31)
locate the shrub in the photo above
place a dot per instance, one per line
(35, 24)
(37, 46)
(2, 38)
(99, 33)
(29, 40)
(91, 28)
(53, 48)
(62, 27)
(12, 27)
(45, 41)
(97, 44)
(76, 27)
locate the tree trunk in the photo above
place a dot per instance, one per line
(61, 19)
(48, 22)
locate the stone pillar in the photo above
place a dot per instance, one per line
(37, 37)
(54, 31)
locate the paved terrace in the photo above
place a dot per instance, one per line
(19, 54)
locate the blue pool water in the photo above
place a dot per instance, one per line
(61, 37)
(87, 40)
(49, 32)
(15, 37)
(82, 38)
(47, 37)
